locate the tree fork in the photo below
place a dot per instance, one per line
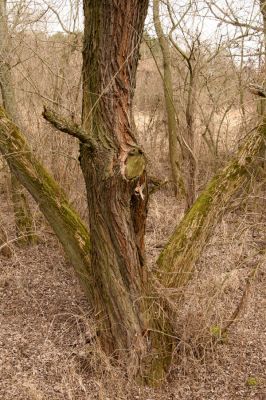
(116, 182)
(152, 347)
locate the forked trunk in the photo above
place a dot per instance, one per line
(131, 318)
(149, 352)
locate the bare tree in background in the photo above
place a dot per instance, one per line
(23, 217)
(172, 123)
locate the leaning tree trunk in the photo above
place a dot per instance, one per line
(50, 198)
(177, 260)
(23, 217)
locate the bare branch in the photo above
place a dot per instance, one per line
(230, 19)
(155, 184)
(257, 90)
(64, 125)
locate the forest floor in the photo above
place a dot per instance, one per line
(46, 323)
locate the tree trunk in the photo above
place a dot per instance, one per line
(177, 260)
(115, 176)
(190, 165)
(23, 217)
(172, 125)
(148, 362)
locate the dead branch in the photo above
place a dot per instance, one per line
(250, 278)
(155, 184)
(257, 90)
(64, 125)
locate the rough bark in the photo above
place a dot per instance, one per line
(115, 176)
(177, 260)
(151, 365)
(172, 125)
(23, 217)
(67, 225)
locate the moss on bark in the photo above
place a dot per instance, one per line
(50, 198)
(177, 260)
